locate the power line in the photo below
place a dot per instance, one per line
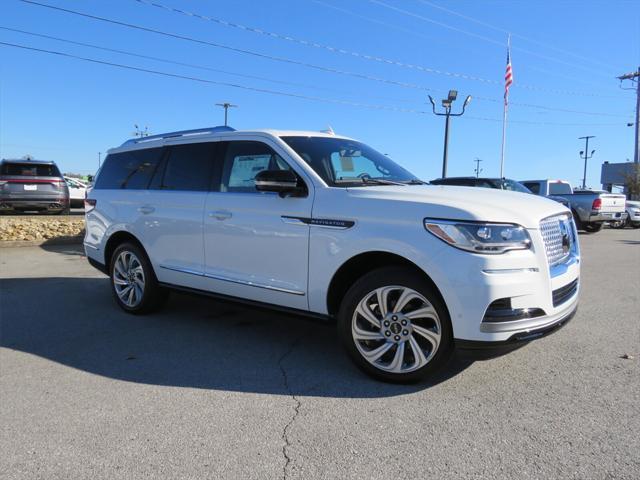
(432, 38)
(309, 43)
(190, 65)
(503, 30)
(482, 37)
(283, 82)
(272, 57)
(215, 82)
(268, 91)
(329, 48)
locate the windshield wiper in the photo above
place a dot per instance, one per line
(415, 181)
(379, 181)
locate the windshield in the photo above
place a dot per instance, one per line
(559, 188)
(346, 163)
(506, 184)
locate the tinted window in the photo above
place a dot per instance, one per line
(29, 170)
(558, 188)
(244, 160)
(131, 170)
(533, 186)
(189, 167)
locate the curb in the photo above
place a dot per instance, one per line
(39, 243)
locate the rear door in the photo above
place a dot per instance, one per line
(171, 216)
(257, 243)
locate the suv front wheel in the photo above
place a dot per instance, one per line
(133, 281)
(394, 326)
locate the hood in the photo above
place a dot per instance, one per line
(467, 203)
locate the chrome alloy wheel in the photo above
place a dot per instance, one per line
(396, 329)
(128, 279)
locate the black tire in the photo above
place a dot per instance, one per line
(576, 219)
(592, 227)
(153, 296)
(401, 277)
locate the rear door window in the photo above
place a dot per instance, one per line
(131, 170)
(189, 167)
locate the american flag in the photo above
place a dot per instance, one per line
(508, 76)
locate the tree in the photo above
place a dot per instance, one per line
(632, 182)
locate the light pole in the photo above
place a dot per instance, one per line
(99, 154)
(226, 107)
(446, 103)
(478, 169)
(586, 156)
(141, 133)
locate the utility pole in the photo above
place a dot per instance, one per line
(586, 156)
(446, 103)
(226, 107)
(478, 169)
(633, 76)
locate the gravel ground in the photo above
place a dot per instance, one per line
(218, 390)
(40, 227)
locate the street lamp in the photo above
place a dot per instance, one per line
(446, 104)
(584, 154)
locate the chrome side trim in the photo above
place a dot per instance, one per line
(93, 247)
(319, 222)
(232, 280)
(511, 270)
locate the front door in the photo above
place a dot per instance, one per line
(254, 246)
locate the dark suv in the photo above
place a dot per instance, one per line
(32, 185)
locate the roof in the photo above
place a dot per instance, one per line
(212, 132)
(24, 160)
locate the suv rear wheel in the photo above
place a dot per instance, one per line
(133, 281)
(394, 326)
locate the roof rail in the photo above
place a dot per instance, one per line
(180, 133)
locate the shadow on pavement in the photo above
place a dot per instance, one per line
(193, 342)
(73, 247)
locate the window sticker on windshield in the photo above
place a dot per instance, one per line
(346, 164)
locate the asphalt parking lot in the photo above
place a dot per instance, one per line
(206, 389)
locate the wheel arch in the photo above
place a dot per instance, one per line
(118, 238)
(360, 264)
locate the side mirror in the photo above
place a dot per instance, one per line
(284, 182)
(90, 178)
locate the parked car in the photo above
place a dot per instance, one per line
(632, 215)
(323, 225)
(590, 208)
(499, 183)
(77, 191)
(32, 185)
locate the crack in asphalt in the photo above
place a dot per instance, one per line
(285, 437)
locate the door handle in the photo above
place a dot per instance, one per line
(146, 209)
(220, 214)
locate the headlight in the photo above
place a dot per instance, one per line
(480, 237)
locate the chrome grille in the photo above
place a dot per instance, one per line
(552, 233)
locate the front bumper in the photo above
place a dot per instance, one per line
(520, 338)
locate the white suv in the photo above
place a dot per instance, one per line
(324, 225)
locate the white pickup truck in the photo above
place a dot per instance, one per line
(590, 208)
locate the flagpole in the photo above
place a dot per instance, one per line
(504, 134)
(504, 115)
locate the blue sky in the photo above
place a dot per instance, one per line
(566, 55)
